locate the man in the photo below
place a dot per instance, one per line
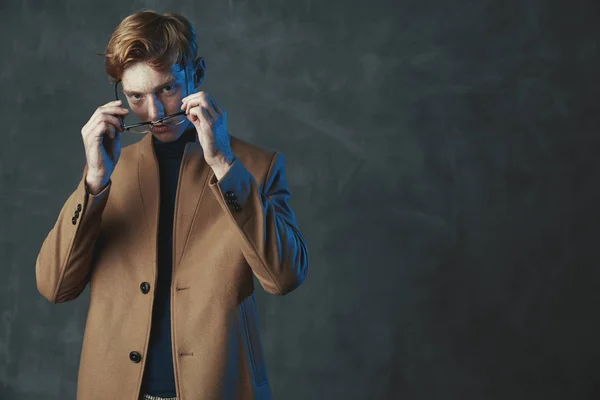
(170, 231)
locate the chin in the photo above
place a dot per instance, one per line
(171, 134)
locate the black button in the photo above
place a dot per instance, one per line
(230, 194)
(76, 213)
(237, 208)
(145, 287)
(231, 201)
(74, 220)
(135, 357)
(79, 207)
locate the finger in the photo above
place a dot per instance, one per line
(200, 114)
(112, 119)
(106, 121)
(190, 102)
(114, 110)
(99, 131)
(192, 117)
(114, 103)
(116, 143)
(203, 109)
(110, 110)
(192, 96)
(199, 101)
(111, 131)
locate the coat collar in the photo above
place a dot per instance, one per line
(194, 175)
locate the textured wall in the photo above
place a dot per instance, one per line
(442, 161)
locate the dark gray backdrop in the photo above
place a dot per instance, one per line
(442, 161)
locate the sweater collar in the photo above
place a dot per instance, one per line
(175, 148)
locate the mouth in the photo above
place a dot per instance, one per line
(160, 128)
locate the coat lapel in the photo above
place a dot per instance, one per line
(193, 178)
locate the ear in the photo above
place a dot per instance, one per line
(199, 71)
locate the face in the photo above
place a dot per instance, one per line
(153, 94)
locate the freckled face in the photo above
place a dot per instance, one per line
(153, 94)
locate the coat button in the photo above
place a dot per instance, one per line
(74, 220)
(135, 357)
(145, 287)
(237, 207)
(230, 194)
(79, 207)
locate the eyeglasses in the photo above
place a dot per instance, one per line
(145, 127)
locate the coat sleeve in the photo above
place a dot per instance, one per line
(269, 235)
(63, 266)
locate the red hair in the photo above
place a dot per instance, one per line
(161, 40)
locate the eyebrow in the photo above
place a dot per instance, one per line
(169, 82)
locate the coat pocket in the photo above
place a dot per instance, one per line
(250, 319)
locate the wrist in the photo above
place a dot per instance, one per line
(221, 166)
(95, 185)
(221, 160)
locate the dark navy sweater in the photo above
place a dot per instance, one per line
(159, 376)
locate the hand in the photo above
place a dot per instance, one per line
(102, 140)
(210, 121)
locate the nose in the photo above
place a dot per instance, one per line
(156, 109)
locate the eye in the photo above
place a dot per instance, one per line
(168, 88)
(134, 97)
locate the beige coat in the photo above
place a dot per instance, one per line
(225, 232)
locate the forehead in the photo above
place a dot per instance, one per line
(141, 77)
